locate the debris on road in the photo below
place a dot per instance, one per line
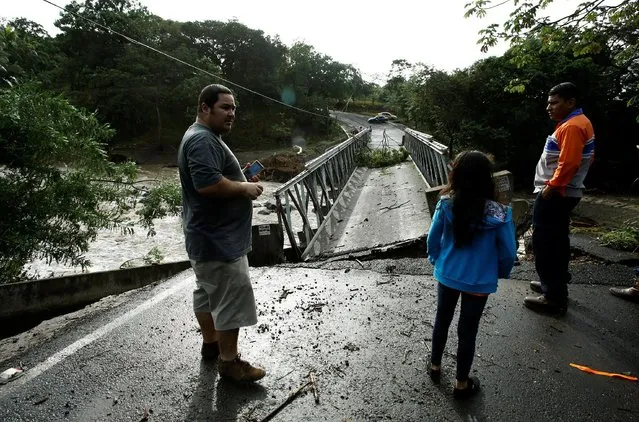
(40, 401)
(288, 401)
(317, 307)
(146, 415)
(394, 206)
(11, 374)
(351, 347)
(408, 332)
(603, 373)
(406, 354)
(314, 388)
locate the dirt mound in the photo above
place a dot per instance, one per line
(282, 167)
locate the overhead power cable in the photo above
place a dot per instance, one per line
(134, 41)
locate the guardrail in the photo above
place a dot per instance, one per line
(430, 157)
(312, 193)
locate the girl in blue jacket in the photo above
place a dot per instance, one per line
(471, 243)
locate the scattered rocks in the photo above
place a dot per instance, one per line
(351, 347)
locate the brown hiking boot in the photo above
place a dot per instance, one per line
(239, 370)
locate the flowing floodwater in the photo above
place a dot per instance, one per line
(111, 248)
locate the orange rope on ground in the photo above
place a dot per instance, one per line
(606, 374)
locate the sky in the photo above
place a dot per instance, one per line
(366, 34)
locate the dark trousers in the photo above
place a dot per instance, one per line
(551, 245)
(472, 307)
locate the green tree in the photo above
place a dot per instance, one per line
(58, 187)
(243, 55)
(105, 72)
(26, 51)
(149, 99)
(497, 106)
(592, 28)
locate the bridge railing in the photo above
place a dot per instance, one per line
(431, 158)
(310, 195)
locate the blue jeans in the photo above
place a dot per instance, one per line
(472, 307)
(551, 245)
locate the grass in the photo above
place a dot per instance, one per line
(593, 231)
(625, 238)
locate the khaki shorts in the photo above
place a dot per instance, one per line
(224, 289)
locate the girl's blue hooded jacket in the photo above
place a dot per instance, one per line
(474, 268)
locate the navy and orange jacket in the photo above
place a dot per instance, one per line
(567, 156)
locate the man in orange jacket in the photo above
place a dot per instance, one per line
(559, 184)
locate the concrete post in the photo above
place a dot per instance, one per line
(504, 186)
(432, 196)
(268, 245)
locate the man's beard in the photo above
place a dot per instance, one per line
(224, 128)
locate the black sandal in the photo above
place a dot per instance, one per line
(435, 374)
(469, 391)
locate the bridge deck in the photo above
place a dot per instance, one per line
(387, 207)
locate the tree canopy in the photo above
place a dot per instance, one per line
(594, 28)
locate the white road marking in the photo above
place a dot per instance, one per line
(90, 338)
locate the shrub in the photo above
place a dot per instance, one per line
(384, 157)
(625, 238)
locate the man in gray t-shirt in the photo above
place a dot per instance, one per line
(216, 228)
(217, 213)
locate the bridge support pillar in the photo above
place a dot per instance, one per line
(268, 245)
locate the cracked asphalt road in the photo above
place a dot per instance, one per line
(362, 327)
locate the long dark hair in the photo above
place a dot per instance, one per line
(470, 184)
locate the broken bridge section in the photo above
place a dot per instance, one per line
(388, 209)
(334, 208)
(379, 209)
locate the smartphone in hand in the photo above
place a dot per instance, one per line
(253, 169)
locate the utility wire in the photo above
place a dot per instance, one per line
(496, 5)
(134, 41)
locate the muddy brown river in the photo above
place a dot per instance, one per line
(111, 249)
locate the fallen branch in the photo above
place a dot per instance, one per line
(314, 307)
(338, 371)
(284, 376)
(409, 332)
(392, 207)
(314, 388)
(408, 352)
(285, 293)
(286, 403)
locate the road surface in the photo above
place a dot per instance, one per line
(363, 328)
